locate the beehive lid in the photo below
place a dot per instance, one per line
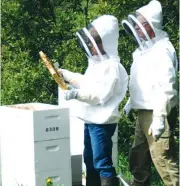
(33, 106)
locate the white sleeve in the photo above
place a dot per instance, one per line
(101, 90)
(72, 78)
(165, 88)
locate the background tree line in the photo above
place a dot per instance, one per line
(28, 27)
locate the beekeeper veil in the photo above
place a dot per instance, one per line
(146, 20)
(100, 38)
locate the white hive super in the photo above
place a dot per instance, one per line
(35, 145)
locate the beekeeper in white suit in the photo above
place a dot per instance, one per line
(97, 95)
(153, 93)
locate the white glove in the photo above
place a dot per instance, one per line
(71, 77)
(65, 74)
(127, 108)
(70, 94)
(157, 127)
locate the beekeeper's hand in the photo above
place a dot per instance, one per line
(70, 94)
(157, 127)
(65, 74)
(70, 77)
(127, 108)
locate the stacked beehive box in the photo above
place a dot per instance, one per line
(35, 145)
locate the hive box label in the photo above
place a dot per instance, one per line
(52, 129)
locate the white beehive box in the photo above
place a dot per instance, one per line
(35, 145)
(77, 142)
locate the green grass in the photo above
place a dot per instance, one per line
(123, 167)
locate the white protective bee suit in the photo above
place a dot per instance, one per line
(96, 97)
(104, 84)
(153, 93)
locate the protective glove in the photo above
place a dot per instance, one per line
(70, 87)
(127, 108)
(157, 127)
(65, 74)
(71, 77)
(70, 94)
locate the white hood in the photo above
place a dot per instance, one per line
(152, 12)
(106, 27)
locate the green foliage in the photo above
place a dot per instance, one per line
(27, 28)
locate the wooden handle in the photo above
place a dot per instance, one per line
(55, 74)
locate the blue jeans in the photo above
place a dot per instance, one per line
(98, 149)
